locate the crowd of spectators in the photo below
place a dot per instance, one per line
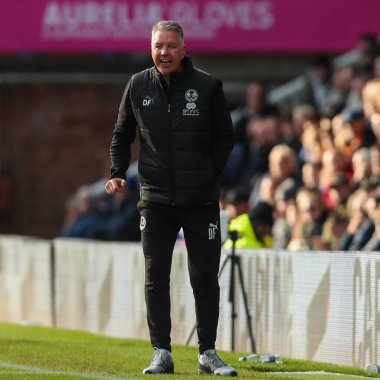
(314, 157)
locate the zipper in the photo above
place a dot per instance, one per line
(171, 173)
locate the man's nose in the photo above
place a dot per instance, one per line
(164, 50)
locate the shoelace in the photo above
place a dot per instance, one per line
(215, 360)
(157, 357)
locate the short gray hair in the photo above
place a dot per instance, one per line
(171, 26)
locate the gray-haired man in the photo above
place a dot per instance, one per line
(186, 136)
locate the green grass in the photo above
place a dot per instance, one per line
(67, 354)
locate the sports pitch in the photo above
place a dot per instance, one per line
(47, 353)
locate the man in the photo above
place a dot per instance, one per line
(186, 136)
(253, 228)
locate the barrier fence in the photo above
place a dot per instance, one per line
(320, 306)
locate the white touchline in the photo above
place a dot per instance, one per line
(318, 373)
(34, 370)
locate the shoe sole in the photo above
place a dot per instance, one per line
(170, 371)
(208, 372)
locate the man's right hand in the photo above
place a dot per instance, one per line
(115, 185)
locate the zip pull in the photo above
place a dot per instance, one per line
(169, 107)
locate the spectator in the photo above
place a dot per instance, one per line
(317, 83)
(374, 243)
(332, 162)
(311, 175)
(253, 229)
(375, 160)
(256, 104)
(263, 134)
(311, 146)
(235, 201)
(369, 48)
(100, 217)
(311, 215)
(304, 115)
(361, 165)
(256, 107)
(358, 230)
(122, 223)
(354, 101)
(285, 213)
(373, 211)
(371, 97)
(338, 191)
(86, 207)
(282, 166)
(362, 134)
(333, 230)
(337, 97)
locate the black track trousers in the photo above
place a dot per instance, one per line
(160, 225)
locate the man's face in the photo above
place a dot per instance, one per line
(262, 229)
(167, 52)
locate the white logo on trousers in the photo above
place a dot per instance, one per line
(212, 228)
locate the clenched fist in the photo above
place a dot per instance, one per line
(115, 185)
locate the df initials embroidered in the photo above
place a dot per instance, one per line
(212, 228)
(147, 101)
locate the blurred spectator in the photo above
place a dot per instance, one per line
(333, 162)
(256, 107)
(359, 229)
(371, 96)
(375, 160)
(336, 98)
(373, 211)
(235, 201)
(311, 215)
(333, 230)
(88, 204)
(303, 116)
(311, 151)
(317, 83)
(361, 166)
(369, 47)
(92, 214)
(256, 104)
(362, 134)
(285, 213)
(263, 134)
(338, 191)
(282, 166)
(253, 229)
(374, 243)
(354, 101)
(311, 175)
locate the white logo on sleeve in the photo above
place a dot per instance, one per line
(212, 228)
(191, 109)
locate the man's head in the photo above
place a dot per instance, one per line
(261, 217)
(168, 48)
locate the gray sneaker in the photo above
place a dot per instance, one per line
(210, 362)
(162, 362)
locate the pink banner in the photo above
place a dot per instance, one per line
(256, 26)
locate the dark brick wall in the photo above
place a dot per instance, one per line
(53, 139)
